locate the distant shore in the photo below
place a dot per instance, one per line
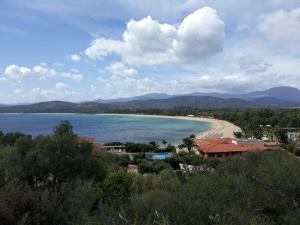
(218, 128)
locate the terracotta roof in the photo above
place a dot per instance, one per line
(212, 141)
(221, 148)
(219, 140)
(199, 141)
(97, 147)
(221, 145)
(272, 143)
(86, 139)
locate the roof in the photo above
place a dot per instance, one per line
(223, 145)
(272, 143)
(86, 139)
(219, 140)
(97, 147)
(223, 148)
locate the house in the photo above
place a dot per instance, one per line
(115, 148)
(222, 148)
(86, 139)
(272, 145)
(96, 146)
(132, 168)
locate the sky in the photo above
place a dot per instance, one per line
(101, 49)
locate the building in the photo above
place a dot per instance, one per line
(132, 168)
(86, 139)
(248, 142)
(272, 145)
(114, 148)
(96, 146)
(222, 148)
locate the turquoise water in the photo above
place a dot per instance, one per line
(106, 128)
(161, 155)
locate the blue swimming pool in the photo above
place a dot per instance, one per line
(160, 155)
(156, 156)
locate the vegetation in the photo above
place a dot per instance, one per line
(53, 179)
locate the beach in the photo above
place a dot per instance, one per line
(218, 128)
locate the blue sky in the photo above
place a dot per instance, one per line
(89, 49)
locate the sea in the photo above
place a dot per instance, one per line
(106, 128)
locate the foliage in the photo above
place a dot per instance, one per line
(55, 180)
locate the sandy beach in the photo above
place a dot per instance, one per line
(218, 128)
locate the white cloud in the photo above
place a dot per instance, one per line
(281, 25)
(93, 88)
(77, 77)
(148, 42)
(17, 72)
(72, 76)
(44, 71)
(75, 57)
(249, 63)
(61, 86)
(2, 79)
(17, 91)
(119, 69)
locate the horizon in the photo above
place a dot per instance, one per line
(83, 51)
(235, 95)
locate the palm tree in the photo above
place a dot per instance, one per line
(188, 143)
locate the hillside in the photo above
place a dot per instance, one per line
(274, 97)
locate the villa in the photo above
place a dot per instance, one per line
(223, 148)
(96, 146)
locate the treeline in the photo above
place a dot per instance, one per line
(143, 148)
(54, 179)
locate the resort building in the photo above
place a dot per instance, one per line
(96, 146)
(222, 148)
(114, 148)
(132, 168)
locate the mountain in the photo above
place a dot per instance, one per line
(162, 104)
(283, 93)
(278, 97)
(274, 102)
(142, 97)
(274, 97)
(200, 102)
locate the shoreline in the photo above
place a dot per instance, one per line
(218, 128)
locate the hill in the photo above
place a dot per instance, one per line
(277, 97)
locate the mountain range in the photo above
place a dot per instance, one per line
(277, 96)
(274, 97)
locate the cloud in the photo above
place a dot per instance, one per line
(20, 73)
(61, 86)
(75, 57)
(282, 26)
(44, 71)
(249, 64)
(73, 76)
(17, 72)
(148, 42)
(119, 69)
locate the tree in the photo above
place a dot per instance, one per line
(188, 143)
(64, 128)
(192, 136)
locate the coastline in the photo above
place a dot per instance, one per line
(218, 128)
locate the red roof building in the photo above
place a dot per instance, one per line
(86, 139)
(222, 148)
(96, 146)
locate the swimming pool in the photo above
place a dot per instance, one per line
(160, 155)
